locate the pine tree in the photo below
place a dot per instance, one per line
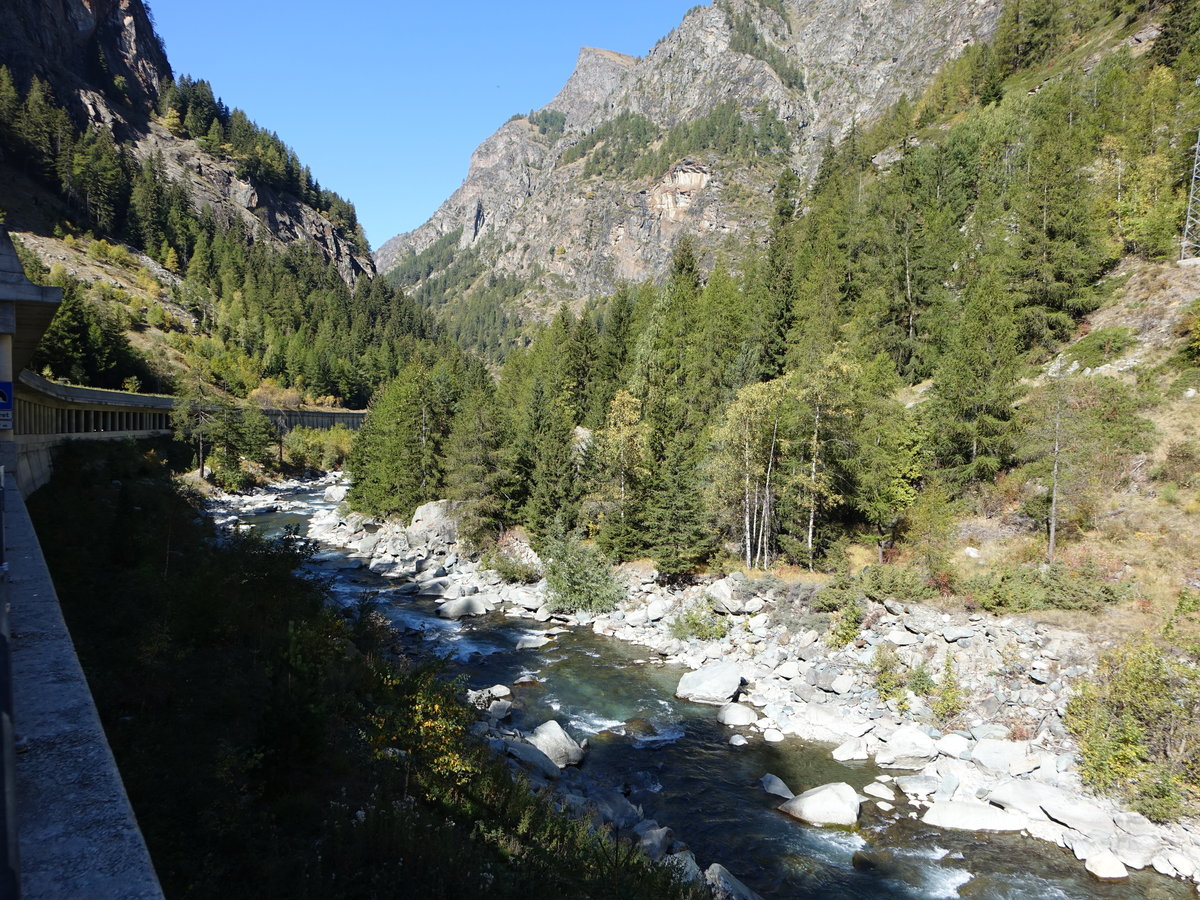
(676, 529)
(1077, 433)
(612, 354)
(621, 463)
(890, 460)
(554, 491)
(971, 411)
(10, 109)
(477, 471)
(395, 459)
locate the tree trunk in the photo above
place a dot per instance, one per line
(747, 522)
(812, 506)
(766, 509)
(1054, 484)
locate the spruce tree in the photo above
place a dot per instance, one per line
(676, 529)
(395, 460)
(971, 411)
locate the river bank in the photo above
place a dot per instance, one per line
(1010, 768)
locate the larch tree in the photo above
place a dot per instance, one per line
(749, 442)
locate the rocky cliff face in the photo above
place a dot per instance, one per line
(85, 45)
(106, 64)
(818, 65)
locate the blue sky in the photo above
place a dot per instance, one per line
(385, 101)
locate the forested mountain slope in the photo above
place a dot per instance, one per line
(965, 356)
(873, 362)
(597, 186)
(179, 224)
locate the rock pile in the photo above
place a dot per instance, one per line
(1012, 767)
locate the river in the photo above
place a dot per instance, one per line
(673, 759)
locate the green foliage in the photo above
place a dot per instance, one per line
(625, 137)
(888, 674)
(1021, 588)
(579, 577)
(920, 680)
(85, 344)
(223, 431)
(396, 459)
(1136, 722)
(624, 145)
(416, 267)
(288, 314)
(252, 722)
(1079, 434)
(700, 621)
(479, 473)
(971, 411)
(509, 567)
(100, 179)
(843, 597)
(260, 155)
(1101, 346)
(550, 123)
(1181, 464)
(747, 39)
(949, 699)
(318, 448)
(900, 583)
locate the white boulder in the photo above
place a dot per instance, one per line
(736, 715)
(725, 887)
(560, 747)
(829, 804)
(971, 815)
(466, 606)
(1106, 866)
(907, 748)
(714, 683)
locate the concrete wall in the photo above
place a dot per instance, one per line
(78, 834)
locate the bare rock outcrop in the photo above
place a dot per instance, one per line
(823, 66)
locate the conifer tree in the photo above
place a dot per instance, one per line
(554, 489)
(477, 471)
(395, 461)
(971, 411)
(621, 471)
(676, 529)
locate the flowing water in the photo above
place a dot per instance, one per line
(673, 759)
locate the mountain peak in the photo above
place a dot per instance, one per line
(739, 89)
(597, 76)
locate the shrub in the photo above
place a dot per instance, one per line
(700, 621)
(889, 679)
(949, 700)
(1181, 465)
(580, 577)
(228, 473)
(510, 568)
(1056, 586)
(1101, 346)
(898, 582)
(320, 448)
(920, 680)
(1138, 726)
(842, 598)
